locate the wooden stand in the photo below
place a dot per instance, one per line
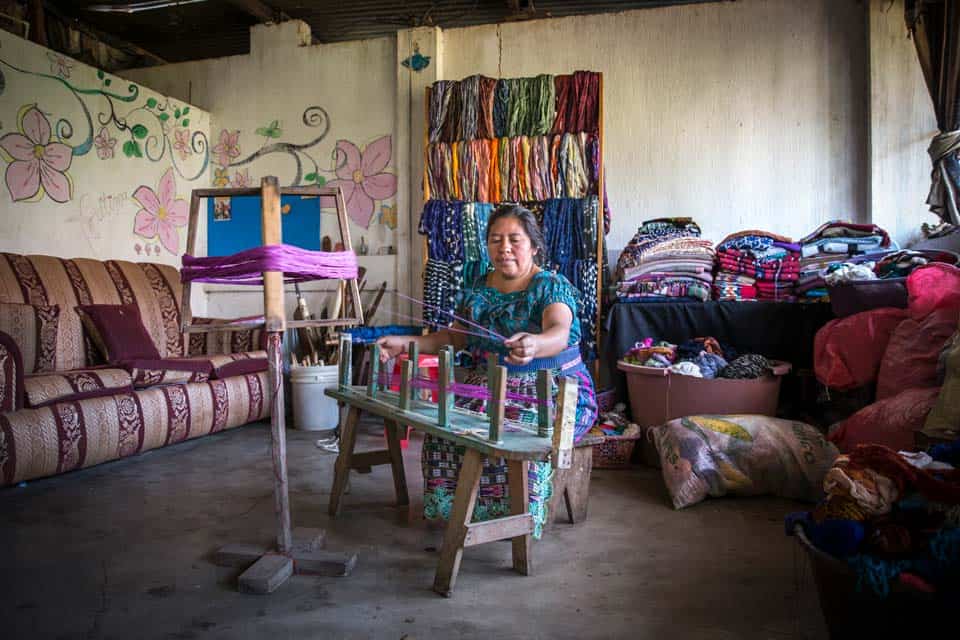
(297, 550)
(482, 437)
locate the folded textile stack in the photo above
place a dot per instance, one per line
(665, 260)
(893, 516)
(837, 242)
(756, 265)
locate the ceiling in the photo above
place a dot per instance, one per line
(214, 28)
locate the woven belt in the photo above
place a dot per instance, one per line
(566, 359)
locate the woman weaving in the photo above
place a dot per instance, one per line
(537, 309)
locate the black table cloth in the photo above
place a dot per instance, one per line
(778, 330)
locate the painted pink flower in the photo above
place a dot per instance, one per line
(104, 144)
(59, 65)
(39, 166)
(229, 147)
(162, 213)
(181, 142)
(241, 178)
(362, 178)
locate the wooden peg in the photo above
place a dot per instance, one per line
(346, 353)
(564, 420)
(406, 385)
(374, 371)
(445, 393)
(497, 386)
(544, 404)
(413, 354)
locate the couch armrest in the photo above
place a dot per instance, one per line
(11, 375)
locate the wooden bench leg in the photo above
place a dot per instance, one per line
(468, 484)
(396, 461)
(520, 504)
(341, 472)
(576, 491)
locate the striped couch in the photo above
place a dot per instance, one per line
(60, 409)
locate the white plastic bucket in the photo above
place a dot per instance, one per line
(313, 410)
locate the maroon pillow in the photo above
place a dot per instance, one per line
(118, 331)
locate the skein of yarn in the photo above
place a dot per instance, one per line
(749, 366)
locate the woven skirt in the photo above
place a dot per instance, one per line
(441, 459)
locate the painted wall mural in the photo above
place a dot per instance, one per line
(39, 154)
(100, 155)
(360, 173)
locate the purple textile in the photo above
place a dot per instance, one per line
(247, 267)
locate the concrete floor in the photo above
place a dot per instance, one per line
(119, 551)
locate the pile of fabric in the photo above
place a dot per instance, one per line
(698, 357)
(615, 423)
(665, 261)
(892, 517)
(834, 243)
(756, 265)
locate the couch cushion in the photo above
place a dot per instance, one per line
(238, 364)
(46, 388)
(47, 280)
(217, 342)
(148, 373)
(34, 329)
(11, 375)
(118, 331)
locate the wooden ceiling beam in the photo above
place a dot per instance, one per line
(260, 10)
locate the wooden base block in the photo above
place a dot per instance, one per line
(324, 563)
(307, 539)
(266, 574)
(238, 555)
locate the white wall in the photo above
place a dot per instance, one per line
(284, 81)
(742, 115)
(84, 206)
(902, 123)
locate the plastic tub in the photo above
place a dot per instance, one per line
(313, 410)
(658, 395)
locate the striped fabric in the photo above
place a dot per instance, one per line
(46, 388)
(74, 435)
(46, 280)
(11, 375)
(34, 329)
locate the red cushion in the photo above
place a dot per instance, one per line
(890, 422)
(118, 331)
(910, 359)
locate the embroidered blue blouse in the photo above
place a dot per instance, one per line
(510, 313)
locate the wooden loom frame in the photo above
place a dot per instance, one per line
(601, 197)
(298, 550)
(553, 440)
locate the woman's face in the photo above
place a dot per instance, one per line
(509, 247)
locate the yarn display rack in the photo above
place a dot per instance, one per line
(489, 435)
(475, 121)
(271, 265)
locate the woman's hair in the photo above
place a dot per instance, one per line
(529, 223)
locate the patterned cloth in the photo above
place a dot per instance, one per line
(507, 314)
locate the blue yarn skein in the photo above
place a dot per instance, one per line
(710, 364)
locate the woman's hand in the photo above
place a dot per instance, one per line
(523, 348)
(392, 346)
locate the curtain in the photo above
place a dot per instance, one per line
(935, 26)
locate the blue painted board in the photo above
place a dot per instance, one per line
(301, 224)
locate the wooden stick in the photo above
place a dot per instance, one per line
(186, 316)
(497, 386)
(563, 424)
(544, 404)
(281, 495)
(345, 375)
(406, 386)
(341, 469)
(275, 316)
(444, 395)
(374, 383)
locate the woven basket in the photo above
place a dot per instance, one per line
(850, 613)
(614, 452)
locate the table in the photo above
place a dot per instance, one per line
(779, 330)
